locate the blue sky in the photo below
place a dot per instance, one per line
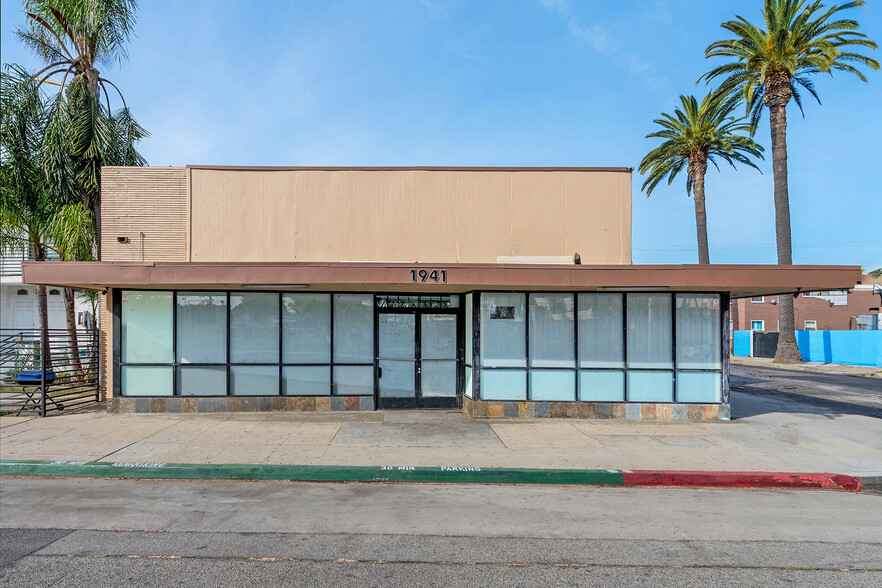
(496, 82)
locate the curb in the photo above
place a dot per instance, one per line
(437, 475)
(742, 479)
(312, 473)
(872, 484)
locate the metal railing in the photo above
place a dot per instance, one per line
(10, 261)
(42, 371)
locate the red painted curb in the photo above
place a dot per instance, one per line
(741, 479)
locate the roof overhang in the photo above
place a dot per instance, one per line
(737, 280)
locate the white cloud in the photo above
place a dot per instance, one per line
(602, 40)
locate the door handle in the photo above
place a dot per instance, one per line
(379, 373)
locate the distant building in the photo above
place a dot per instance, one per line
(826, 310)
(18, 301)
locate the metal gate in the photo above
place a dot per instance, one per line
(41, 371)
(765, 344)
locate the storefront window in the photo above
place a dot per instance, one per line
(306, 380)
(503, 384)
(503, 330)
(650, 386)
(353, 328)
(306, 328)
(602, 385)
(699, 387)
(254, 329)
(350, 380)
(254, 380)
(198, 380)
(698, 331)
(147, 380)
(649, 331)
(551, 330)
(553, 385)
(146, 327)
(202, 328)
(601, 336)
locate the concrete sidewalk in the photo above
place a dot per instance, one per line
(772, 434)
(810, 366)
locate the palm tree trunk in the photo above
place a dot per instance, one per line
(788, 351)
(71, 319)
(699, 169)
(42, 304)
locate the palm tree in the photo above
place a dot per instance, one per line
(694, 135)
(31, 214)
(73, 37)
(768, 64)
(26, 206)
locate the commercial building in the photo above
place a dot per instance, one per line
(506, 292)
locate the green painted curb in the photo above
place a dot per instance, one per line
(310, 473)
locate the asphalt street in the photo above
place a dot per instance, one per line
(830, 393)
(101, 532)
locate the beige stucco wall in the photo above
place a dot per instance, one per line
(446, 216)
(431, 216)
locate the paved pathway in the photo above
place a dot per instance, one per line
(770, 432)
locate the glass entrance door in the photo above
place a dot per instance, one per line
(397, 358)
(417, 363)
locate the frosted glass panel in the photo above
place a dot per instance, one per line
(699, 387)
(438, 336)
(602, 385)
(503, 385)
(649, 330)
(353, 380)
(254, 380)
(138, 380)
(306, 328)
(601, 337)
(552, 385)
(503, 330)
(202, 327)
(306, 380)
(202, 381)
(468, 382)
(650, 386)
(551, 330)
(397, 379)
(353, 328)
(438, 378)
(254, 328)
(397, 334)
(469, 328)
(699, 338)
(146, 327)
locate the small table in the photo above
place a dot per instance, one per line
(32, 379)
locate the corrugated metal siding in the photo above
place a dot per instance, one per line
(149, 200)
(409, 215)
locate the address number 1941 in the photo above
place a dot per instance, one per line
(425, 275)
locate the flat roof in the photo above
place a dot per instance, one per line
(737, 280)
(408, 168)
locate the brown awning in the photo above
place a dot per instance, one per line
(738, 280)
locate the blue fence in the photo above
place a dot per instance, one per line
(741, 343)
(847, 347)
